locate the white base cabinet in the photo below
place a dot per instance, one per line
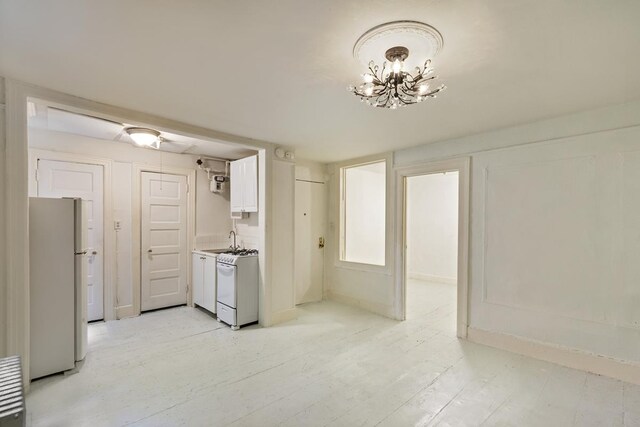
(204, 280)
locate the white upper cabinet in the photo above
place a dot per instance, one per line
(244, 185)
(250, 184)
(236, 185)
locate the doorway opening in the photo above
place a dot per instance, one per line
(405, 201)
(431, 246)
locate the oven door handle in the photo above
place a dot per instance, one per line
(224, 268)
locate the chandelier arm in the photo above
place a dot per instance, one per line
(396, 89)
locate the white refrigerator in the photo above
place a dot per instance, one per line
(58, 284)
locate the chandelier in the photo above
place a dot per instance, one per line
(392, 85)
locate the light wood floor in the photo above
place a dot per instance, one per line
(334, 365)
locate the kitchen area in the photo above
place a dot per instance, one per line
(225, 280)
(161, 224)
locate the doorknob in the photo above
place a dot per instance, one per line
(321, 242)
(94, 253)
(149, 251)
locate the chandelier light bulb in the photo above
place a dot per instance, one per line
(367, 78)
(397, 66)
(423, 88)
(368, 91)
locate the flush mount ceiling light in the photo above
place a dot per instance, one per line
(406, 45)
(144, 137)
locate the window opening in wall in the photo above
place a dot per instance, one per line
(363, 216)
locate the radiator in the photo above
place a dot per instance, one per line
(12, 408)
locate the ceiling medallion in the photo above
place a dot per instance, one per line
(406, 45)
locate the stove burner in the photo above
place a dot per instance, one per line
(242, 252)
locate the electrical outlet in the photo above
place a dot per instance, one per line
(116, 225)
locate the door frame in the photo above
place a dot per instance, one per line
(463, 167)
(108, 233)
(136, 230)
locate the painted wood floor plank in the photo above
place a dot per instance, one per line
(334, 365)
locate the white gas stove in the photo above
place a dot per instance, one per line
(237, 277)
(232, 257)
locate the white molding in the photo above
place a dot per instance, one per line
(463, 166)
(136, 266)
(17, 225)
(338, 214)
(431, 278)
(125, 311)
(284, 316)
(383, 310)
(565, 356)
(265, 221)
(109, 234)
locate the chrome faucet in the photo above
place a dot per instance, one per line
(234, 247)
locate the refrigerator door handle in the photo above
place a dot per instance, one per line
(81, 253)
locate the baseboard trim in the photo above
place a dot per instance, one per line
(284, 316)
(571, 358)
(380, 309)
(432, 278)
(125, 311)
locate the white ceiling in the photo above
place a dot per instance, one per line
(277, 71)
(44, 117)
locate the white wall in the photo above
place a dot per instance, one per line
(554, 231)
(432, 227)
(213, 221)
(283, 194)
(364, 215)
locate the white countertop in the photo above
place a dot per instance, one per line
(204, 252)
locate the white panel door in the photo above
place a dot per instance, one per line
(69, 179)
(309, 228)
(164, 240)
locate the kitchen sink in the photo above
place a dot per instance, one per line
(215, 251)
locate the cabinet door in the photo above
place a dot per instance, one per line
(250, 184)
(236, 178)
(197, 273)
(209, 284)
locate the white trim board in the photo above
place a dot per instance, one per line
(463, 166)
(382, 310)
(431, 278)
(284, 316)
(572, 358)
